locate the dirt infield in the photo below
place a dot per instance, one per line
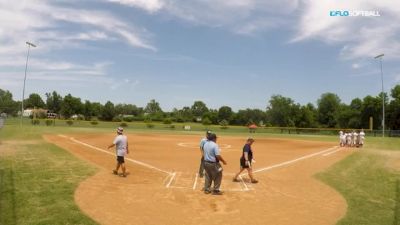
(162, 187)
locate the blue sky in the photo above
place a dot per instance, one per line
(237, 53)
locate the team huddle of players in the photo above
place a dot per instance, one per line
(351, 138)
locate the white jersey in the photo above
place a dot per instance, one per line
(355, 138)
(362, 137)
(121, 144)
(362, 134)
(342, 138)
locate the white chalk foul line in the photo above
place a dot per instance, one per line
(245, 185)
(195, 181)
(330, 153)
(129, 159)
(170, 181)
(295, 160)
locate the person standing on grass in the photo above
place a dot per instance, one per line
(212, 157)
(202, 142)
(121, 149)
(246, 161)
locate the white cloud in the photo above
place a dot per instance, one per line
(148, 5)
(361, 36)
(127, 83)
(355, 66)
(49, 26)
(240, 16)
(53, 28)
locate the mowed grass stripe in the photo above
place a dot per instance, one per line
(38, 183)
(369, 187)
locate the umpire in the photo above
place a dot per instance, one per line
(213, 168)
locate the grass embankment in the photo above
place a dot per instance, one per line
(369, 181)
(38, 180)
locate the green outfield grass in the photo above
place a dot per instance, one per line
(369, 183)
(37, 179)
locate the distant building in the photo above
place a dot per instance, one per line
(27, 113)
(39, 113)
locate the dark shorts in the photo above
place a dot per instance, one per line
(120, 159)
(243, 163)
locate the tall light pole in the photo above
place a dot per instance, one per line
(383, 96)
(26, 68)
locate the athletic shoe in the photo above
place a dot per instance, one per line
(217, 192)
(123, 175)
(235, 180)
(115, 172)
(254, 181)
(207, 191)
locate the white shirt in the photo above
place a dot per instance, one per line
(211, 150)
(121, 143)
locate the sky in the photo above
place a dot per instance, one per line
(236, 53)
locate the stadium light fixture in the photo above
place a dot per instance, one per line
(26, 68)
(383, 95)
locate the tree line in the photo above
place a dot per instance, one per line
(329, 112)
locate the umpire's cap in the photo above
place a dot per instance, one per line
(212, 137)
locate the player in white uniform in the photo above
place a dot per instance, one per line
(348, 139)
(121, 149)
(355, 139)
(342, 139)
(362, 137)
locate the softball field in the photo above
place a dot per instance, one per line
(162, 186)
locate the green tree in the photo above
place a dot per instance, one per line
(7, 104)
(212, 115)
(88, 110)
(306, 116)
(128, 109)
(183, 115)
(372, 107)
(249, 116)
(328, 106)
(53, 102)
(395, 92)
(34, 100)
(349, 116)
(225, 113)
(108, 111)
(153, 107)
(282, 111)
(71, 106)
(198, 109)
(393, 110)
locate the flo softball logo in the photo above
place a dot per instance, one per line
(353, 13)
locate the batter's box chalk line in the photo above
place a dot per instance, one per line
(192, 181)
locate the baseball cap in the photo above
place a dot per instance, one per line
(120, 130)
(212, 136)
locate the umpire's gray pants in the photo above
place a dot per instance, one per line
(213, 174)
